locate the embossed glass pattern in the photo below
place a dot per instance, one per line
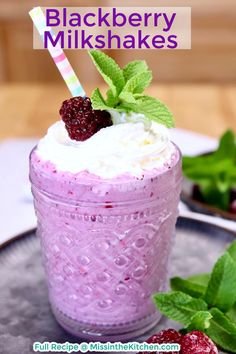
(105, 247)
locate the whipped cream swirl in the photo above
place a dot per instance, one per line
(130, 147)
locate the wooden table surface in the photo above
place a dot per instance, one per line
(26, 110)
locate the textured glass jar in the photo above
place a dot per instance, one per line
(105, 246)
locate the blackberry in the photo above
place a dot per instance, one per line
(81, 120)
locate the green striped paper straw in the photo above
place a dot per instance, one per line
(57, 54)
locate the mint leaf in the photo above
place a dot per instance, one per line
(222, 183)
(200, 279)
(200, 167)
(213, 196)
(152, 109)
(138, 82)
(227, 146)
(97, 100)
(155, 110)
(133, 68)
(188, 287)
(197, 161)
(199, 321)
(221, 290)
(109, 69)
(222, 331)
(111, 100)
(127, 97)
(178, 306)
(219, 317)
(232, 250)
(231, 314)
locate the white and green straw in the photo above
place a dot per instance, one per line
(58, 55)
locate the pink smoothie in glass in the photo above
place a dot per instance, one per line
(106, 244)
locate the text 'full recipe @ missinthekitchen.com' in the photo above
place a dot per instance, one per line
(84, 347)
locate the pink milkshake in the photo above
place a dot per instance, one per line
(106, 244)
(106, 205)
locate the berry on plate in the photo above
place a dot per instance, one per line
(197, 342)
(165, 336)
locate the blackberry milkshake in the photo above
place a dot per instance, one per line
(106, 187)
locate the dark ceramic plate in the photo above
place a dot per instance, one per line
(200, 207)
(25, 314)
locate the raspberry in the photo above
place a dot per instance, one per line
(165, 336)
(81, 120)
(197, 342)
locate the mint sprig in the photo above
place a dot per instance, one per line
(215, 173)
(126, 87)
(206, 302)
